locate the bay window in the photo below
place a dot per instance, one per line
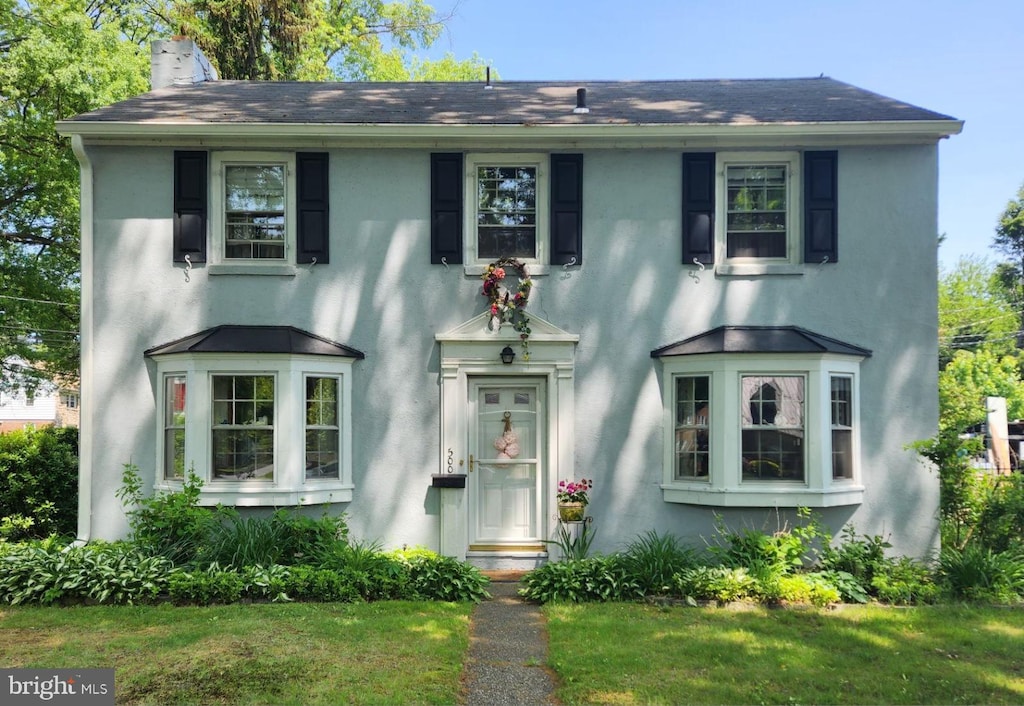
(761, 417)
(269, 425)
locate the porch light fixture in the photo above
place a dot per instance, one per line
(507, 355)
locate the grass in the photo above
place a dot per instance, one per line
(638, 654)
(410, 652)
(377, 653)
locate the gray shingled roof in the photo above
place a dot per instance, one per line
(255, 339)
(703, 102)
(759, 339)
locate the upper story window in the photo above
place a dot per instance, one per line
(752, 428)
(508, 208)
(760, 213)
(485, 206)
(259, 427)
(759, 207)
(253, 211)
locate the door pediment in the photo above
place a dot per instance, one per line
(479, 329)
(476, 342)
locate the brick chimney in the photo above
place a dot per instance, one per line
(178, 62)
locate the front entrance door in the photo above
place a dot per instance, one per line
(507, 442)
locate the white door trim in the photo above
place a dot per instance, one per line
(472, 350)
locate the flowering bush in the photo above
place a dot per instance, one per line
(574, 491)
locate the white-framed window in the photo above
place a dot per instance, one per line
(69, 400)
(253, 209)
(242, 427)
(762, 430)
(758, 208)
(257, 429)
(507, 208)
(323, 412)
(173, 421)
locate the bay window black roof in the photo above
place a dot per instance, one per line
(759, 339)
(256, 339)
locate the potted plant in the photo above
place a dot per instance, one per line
(572, 499)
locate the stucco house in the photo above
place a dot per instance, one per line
(730, 289)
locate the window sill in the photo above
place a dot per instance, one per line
(275, 270)
(755, 269)
(267, 496)
(535, 269)
(762, 497)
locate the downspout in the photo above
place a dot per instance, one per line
(85, 376)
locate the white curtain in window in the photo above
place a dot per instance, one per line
(789, 399)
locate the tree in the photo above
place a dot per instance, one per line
(974, 310)
(56, 60)
(319, 39)
(59, 58)
(1009, 240)
(971, 377)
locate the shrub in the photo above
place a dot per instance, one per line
(374, 574)
(716, 583)
(47, 572)
(205, 586)
(314, 584)
(1001, 517)
(978, 573)
(171, 525)
(813, 588)
(440, 578)
(861, 557)
(38, 483)
(904, 581)
(768, 553)
(602, 578)
(652, 559)
(850, 588)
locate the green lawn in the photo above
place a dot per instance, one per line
(403, 652)
(377, 653)
(635, 654)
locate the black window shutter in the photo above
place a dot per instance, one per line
(313, 197)
(699, 208)
(446, 208)
(190, 204)
(566, 209)
(821, 207)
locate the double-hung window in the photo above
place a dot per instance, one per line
(508, 207)
(243, 427)
(322, 431)
(254, 209)
(772, 427)
(751, 428)
(759, 212)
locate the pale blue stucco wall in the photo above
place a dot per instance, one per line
(380, 295)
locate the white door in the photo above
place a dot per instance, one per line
(506, 440)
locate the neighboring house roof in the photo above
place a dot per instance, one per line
(717, 102)
(256, 339)
(759, 339)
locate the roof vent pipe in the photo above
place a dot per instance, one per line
(488, 86)
(581, 102)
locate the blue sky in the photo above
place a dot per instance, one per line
(964, 59)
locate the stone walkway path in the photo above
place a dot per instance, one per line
(507, 652)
